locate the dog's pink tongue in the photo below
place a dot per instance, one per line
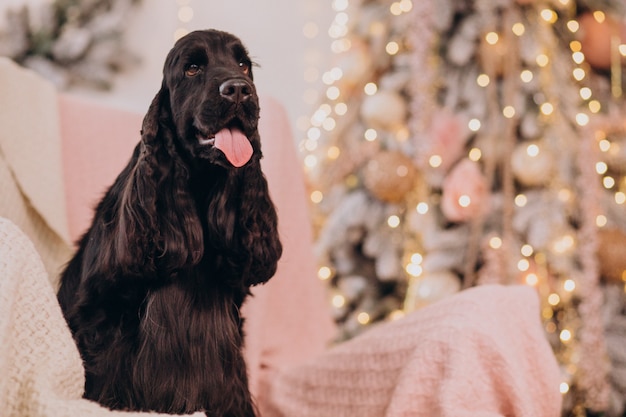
(235, 146)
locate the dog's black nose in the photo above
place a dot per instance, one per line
(236, 90)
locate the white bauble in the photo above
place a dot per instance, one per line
(384, 110)
(431, 287)
(355, 64)
(532, 163)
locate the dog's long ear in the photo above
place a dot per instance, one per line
(243, 227)
(261, 220)
(158, 224)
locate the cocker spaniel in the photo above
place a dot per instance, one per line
(153, 293)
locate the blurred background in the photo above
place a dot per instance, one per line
(446, 144)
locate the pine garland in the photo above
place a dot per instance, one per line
(69, 42)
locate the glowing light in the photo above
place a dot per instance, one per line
(599, 16)
(569, 285)
(582, 119)
(620, 197)
(310, 30)
(601, 220)
(622, 49)
(585, 93)
(565, 336)
(492, 38)
(324, 273)
(523, 265)
(395, 9)
(578, 57)
(393, 221)
(601, 167)
(417, 258)
(532, 150)
(508, 112)
(575, 46)
(363, 318)
(329, 124)
(579, 74)
(370, 89)
(464, 201)
(474, 125)
(435, 161)
(414, 270)
(495, 242)
(564, 387)
(333, 93)
(563, 244)
(339, 5)
(310, 161)
(549, 15)
(422, 208)
(341, 18)
(526, 76)
(547, 108)
(185, 14)
(483, 80)
(542, 60)
(565, 195)
(392, 48)
(406, 5)
(518, 29)
(521, 200)
(604, 145)
(333, 152)
(527, 250)
(310, 145)
(595, 106)
(338, 301)
(341, 109)
(573, 26)
(179, 33)
(608, 182)
(370, 135)
(554, 299)
(475, 154)
(532, 279)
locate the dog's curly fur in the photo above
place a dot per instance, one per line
(153, 293)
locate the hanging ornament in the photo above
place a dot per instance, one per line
(355, 63)
(384, 110)
(465, 193)
(389, 175)
(616, 155)
(596, 38)
(429, 288)
(612, 254)
(532, 164)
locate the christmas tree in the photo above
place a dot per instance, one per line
(470, 142)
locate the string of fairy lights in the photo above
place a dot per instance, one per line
(560, 318)
(184, 16)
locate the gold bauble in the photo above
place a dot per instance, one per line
(532, 163)
(612, 254)
(389, 175)
(384, 110)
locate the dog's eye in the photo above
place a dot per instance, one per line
(192, 70)
(245, 67)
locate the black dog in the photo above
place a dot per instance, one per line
(153, 293)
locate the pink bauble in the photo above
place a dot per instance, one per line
(596, 39)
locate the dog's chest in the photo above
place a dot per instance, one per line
(190, 341)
